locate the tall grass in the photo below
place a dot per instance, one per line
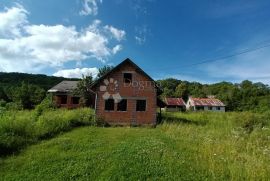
(233, 145)
(20, 128)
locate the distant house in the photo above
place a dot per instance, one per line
(63, 94)
(174, 104)
(205, 104)
(127, 96)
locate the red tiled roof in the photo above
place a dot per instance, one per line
(174, 102)
(207, 102)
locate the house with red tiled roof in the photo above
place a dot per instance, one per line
(205, 104)
(174, 104)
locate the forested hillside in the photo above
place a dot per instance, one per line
(15, 79)
(21, 90)
(238, 97)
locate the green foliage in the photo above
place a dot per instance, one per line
(20, 128)
(28, 95)
(46, 104)
(14, 106)
(2, 103)
(3, 95)
(181, 91)
(53, 122)
(16, 131)
(103, 70)
(195, 146)
(83, 89)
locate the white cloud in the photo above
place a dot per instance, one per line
(77, 72)
(140, 40)
(90, 7)
(11, 21)
(116, 49)
(116, 33)
(141, 33)
(29, 48)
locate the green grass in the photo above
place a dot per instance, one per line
(21, 128)
(195, 146)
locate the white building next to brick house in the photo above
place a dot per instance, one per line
(205, 104)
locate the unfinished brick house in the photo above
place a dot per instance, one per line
(63, 96)
(126, 96)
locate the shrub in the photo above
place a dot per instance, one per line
(20, 128)
(55, 121)
(2, 103)
(46, 104)
(251, 120)
(12, 106)
(16, 130)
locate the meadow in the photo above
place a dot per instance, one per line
(68, 145)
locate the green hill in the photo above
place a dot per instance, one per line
(15, 79)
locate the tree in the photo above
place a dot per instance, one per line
(167, 92)
(182, 91)
(103, 70)
(28, 95)
(84, 90)
(3, 95)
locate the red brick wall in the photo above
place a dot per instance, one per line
(131, 93)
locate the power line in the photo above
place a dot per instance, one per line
(217, 59)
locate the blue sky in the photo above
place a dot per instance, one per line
(165, 38)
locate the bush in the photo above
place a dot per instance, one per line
(12, 106)
(53, 122)
(251, 120)
(16, 130)
(20, 128)
(2, 103)
(46, 104)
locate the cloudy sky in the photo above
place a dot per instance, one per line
(205, 41)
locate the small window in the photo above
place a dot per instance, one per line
(63, 99)
(209, 108)
(109, 105)
(141, 105)
(218, 108)
(75, 100)
(127, 77)
(122, 105)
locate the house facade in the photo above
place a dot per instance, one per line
(174, 104)
(126, 96)
(205, 104)
(62, 94)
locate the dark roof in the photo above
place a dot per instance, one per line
(121, 64)
(64, 86)
(174, 102)
(207, 102)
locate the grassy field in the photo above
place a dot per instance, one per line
(197, 146)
